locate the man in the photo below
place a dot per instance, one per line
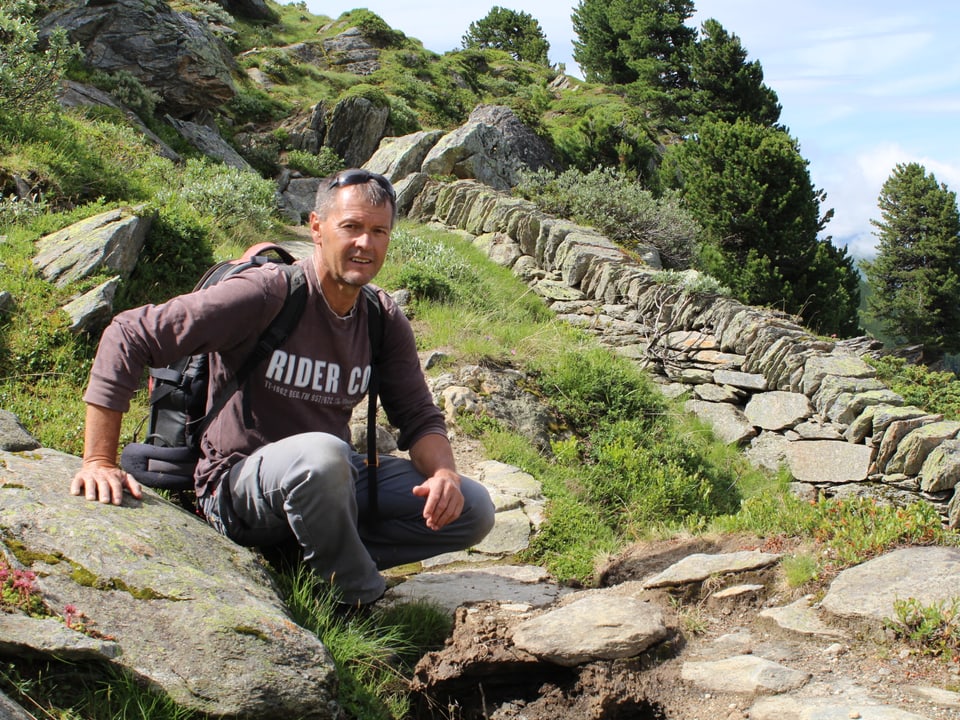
(276, 463)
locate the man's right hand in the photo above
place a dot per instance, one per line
(103, 481)
(100, 478)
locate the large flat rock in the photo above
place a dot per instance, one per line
(186, 609)
(868, 591)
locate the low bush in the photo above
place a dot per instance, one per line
(619, 207)
(128, 90)
(30, 73)
(933, 629)
(324, 163)
(845, 532)
(228, 196)
(254, 105)
(177, 251)
(936, 392)
(429, 269)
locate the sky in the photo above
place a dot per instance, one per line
(864, 84)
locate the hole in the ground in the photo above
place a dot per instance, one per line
(549, 693)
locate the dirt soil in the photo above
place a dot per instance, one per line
(481, 675)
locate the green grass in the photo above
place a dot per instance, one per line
(373, 654)
(845, 531)
(800, 569)
(62, 690)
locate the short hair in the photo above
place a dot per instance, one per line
(376, 190)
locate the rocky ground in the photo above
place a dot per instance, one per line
(849, 669)
(854, 670)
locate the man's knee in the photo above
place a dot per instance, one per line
(318, 463)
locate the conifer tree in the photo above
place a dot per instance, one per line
(749, 187)
(627, 41)
(915, 277)
(518, 33)
(726, 86)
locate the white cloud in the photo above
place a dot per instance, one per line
(854, 183)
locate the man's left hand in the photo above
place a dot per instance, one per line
(444, 499)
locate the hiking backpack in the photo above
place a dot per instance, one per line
(179, 414)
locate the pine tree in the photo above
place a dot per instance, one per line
(627, 41)
(749, 187)
(915, 277)
(518, 33)
(726, 86)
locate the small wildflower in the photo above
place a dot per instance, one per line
(18, 590)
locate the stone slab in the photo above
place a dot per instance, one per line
(869, 590)
(597, 627)
(828, 461)
(699, 566)
(743, 674)
(779, 708)
(493, 583)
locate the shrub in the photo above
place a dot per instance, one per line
(586, 385)
(29, 77)
(254, 105)
(128, 90)
(640, 475)
(403, 120)
(262, 152)
(692, 281)
(934, 628)
(429, 270)
(228, 195)
(175, 254)
(617, 205)
(324, 163)
(425, 283)
(937, 392)
(14, 210)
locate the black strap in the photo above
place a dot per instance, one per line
(375, 322)
(278, 330)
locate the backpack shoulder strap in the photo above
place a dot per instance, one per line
(375, 325)
(375, 321)
(282, 325)
(277, 331)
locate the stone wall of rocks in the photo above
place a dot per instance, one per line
(760, 379)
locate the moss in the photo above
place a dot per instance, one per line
(24, 555)
(250, 630)
(29, 455)
(82, 576)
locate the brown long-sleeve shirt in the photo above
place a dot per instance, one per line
(311, 383)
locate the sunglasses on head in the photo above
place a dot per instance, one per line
(359, 177)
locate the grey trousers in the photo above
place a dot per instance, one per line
(313, 487)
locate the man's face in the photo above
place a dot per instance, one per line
(351, 242)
